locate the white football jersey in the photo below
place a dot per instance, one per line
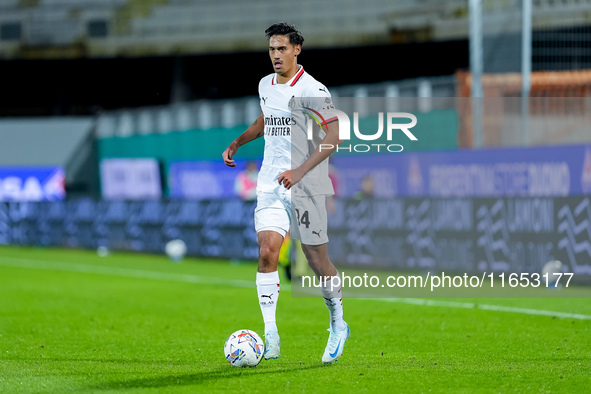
(280, 154)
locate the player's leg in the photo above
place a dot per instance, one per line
(268, 286)
(311, 229)
(269, 246)
(339, 330)
(318, 260)
(271, 224)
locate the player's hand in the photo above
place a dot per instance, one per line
(229, 153)
(289, 178)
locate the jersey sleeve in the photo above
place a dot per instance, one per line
(319, 99)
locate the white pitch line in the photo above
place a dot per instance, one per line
(126, 272)
(209, 280)
(495, 308)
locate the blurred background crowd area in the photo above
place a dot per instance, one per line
(114, 115)
(176, 80)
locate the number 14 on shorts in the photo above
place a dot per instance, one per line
(303, 219)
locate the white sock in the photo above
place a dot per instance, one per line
(334, 303)
(268, 292)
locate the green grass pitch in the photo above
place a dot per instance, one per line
(71, 321)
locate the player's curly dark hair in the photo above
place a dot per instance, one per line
(285, 29)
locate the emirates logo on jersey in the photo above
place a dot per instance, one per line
(279, 121)
(278, 126)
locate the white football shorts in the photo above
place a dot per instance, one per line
(275, 213)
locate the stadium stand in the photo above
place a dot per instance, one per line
(50, 144)
(165, 27)
(59, 141)
(558, 115)
(228, 113)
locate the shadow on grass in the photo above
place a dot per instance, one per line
(226, 372)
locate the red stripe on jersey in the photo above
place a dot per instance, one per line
(298, 76)
(332, 119)
(273, 80)
(320, 116)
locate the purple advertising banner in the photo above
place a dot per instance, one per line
(130, 179)
(530, 172)
(32, 183)
(203, 179)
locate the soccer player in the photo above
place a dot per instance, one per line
(308, 179)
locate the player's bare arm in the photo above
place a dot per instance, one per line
(291, 177)
(254, 131)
